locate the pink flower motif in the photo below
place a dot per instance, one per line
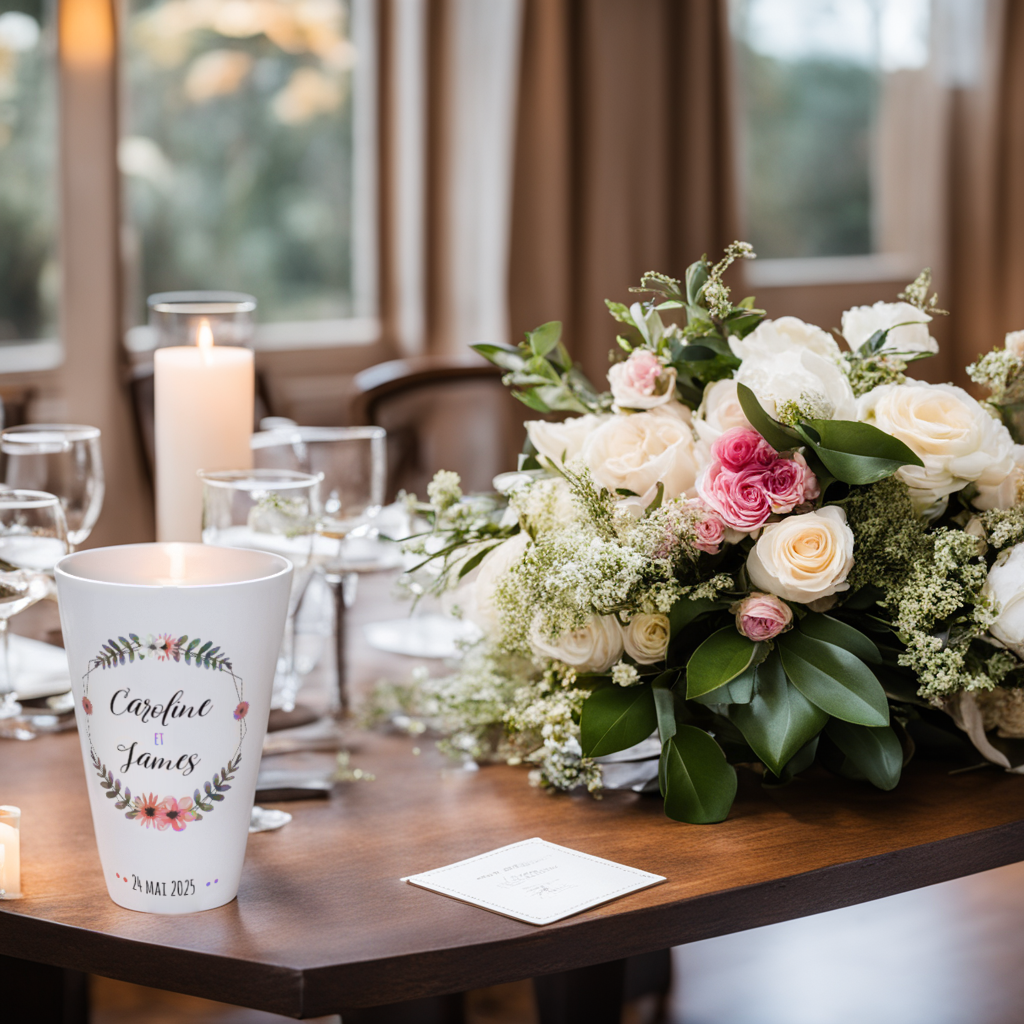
(164, 646)
(790, 482)
(242, 710)
(87, 705)
(742, 448)
(762, 616)
(150, 810)
(740, 498)
(642, 371)
(642, 382)
(177, 813)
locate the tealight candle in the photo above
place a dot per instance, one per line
(10, 847)
(204, 396)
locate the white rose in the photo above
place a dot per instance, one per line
(956, 439)
(478, 606)
(816, 384)
(1005, 587)
(637, 452)
(719, 411)
(1015, 344)
(787, 334)
(560, 442)
(861, 322)
(646, 638)
(593, 648)
(642, 382)
(1007, 493)
(803, 558)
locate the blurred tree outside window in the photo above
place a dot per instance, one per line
(820, 90)
(243, 160)
(29, 269)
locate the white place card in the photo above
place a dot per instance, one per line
(535, 881)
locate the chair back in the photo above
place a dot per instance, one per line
(441, 413)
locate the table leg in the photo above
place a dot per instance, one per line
(437, 1010)
(42, 994)
(339, 696)
(588, 995)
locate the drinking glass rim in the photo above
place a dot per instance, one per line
(27, 436)
(196, 303)
(260, 479)
(18, 497)
(277, 436)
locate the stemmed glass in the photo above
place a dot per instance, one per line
(268, 510)
(62, 459)
(33, 538)
(353, 464)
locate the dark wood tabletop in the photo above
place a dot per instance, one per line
(322, 922)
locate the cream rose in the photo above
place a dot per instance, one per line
(560, 442)
(719, 411)
(593, 648)
(787, 334)
(861, 322)
(642, 382)
(814, 384)
(646, 638)
(1008, 492)
(803, 558)
(478, 604)
(637, 452)
(956, 439)
(1005, 588)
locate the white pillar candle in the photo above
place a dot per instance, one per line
(10, 843)
(204, 413)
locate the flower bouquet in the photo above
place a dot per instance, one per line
(761, 548)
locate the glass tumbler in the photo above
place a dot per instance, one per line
(273, 510)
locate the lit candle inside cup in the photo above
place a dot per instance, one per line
(10, 846)
(204, 396)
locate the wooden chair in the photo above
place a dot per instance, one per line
(441, 413)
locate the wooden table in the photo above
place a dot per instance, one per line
(323, 924)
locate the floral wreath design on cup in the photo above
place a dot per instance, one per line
(150, 809)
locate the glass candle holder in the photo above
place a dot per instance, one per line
(175, 318)
(10, 845)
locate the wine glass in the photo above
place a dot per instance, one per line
(353, 464)
(62, 459)
(33, 538)
(267, 510)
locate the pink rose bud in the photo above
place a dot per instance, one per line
(789, 483)
(710, 530)
(741, 499)
(743, 448)
(642, 371)
(762, 616)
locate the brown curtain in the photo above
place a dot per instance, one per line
(622, 157)
(987, 193)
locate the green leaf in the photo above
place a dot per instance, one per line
(684, 611)
(834, 679)
(877, 753)
(471, 563)
(780, 719)
(737, 691)
(665, 704)
(531, 401)
(856, 453)
(698, 784)
(832, 631)
(506, 358)
(696, 278)
(779, 436)
(723, 656)
(619, 311)
(616, 717)
(544, 338)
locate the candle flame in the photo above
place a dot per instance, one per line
(204, 339)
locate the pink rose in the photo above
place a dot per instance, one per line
(741, 499)
(710, 530)
(642, 382)
(790, 482)
(762, 616)
(743, 448)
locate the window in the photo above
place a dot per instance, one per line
(29, 270)
(247, 159)
(840, 137)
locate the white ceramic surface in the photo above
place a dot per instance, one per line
(172, 650)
